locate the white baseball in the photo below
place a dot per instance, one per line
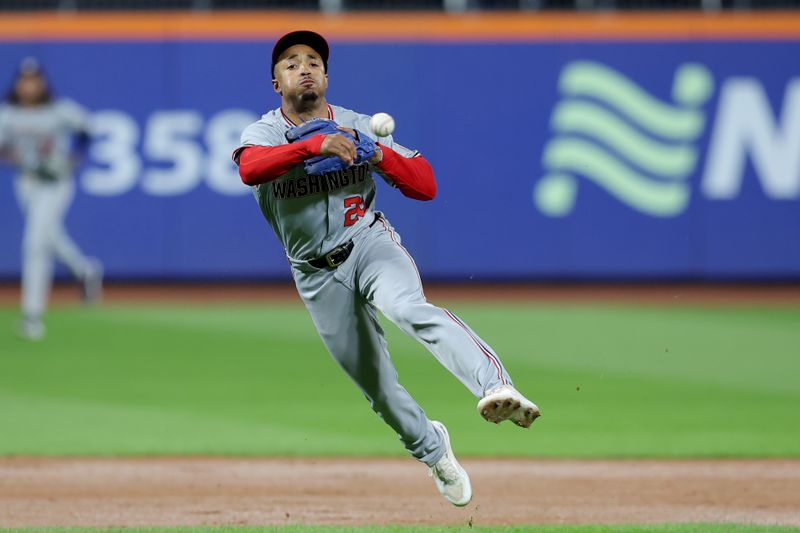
(381, 124)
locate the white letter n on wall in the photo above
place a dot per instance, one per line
(745, 126)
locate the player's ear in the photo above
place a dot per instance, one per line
(276, 86)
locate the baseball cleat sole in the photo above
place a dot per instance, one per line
(525, 417)
(498, 410)
(506, 403)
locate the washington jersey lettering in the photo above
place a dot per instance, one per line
(311, 215)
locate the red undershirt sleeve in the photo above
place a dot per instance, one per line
(412, 175)
(262, 164)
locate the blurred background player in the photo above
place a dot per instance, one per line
(42, 137)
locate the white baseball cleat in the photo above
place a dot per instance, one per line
(507, 403)
(31, 329)
(451, 479)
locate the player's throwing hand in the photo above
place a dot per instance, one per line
(340, 146)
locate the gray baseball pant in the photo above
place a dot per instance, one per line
(44, 205)
(380, 275)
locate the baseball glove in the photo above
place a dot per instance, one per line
(322, 164)
(313, 127)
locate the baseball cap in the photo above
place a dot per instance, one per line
(29, 65)
(309, 38)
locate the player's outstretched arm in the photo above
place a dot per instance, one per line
(412, 175)
(262, 164)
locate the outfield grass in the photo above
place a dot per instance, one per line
(661, 528)
(241, 380)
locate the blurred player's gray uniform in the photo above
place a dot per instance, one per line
(314, 215)
(39, 141)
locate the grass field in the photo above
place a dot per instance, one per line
(612, 381)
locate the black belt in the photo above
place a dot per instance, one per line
(339, 255)
(335, 257)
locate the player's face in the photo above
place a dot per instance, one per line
(300, 75)
(30, 89)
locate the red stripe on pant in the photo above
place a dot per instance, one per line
(413, 263)
(485, 351)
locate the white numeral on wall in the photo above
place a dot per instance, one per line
(172, 160)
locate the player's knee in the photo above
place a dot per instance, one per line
(413, 316)
(378, 400)
(383, 407)
(32, 247)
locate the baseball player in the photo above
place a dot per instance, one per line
(312, 167)
(40, 136)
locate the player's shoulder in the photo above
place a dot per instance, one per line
(350, 118)
(63, 101)
(269, 120)
(69, 112)
(269, 129)
(8, 112)
(67, 105)
(273, 117)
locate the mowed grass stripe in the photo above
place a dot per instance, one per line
(615, 381)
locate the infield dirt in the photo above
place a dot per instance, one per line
(108, 492)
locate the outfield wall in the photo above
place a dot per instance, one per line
(565, 146)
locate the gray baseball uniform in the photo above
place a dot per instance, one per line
(313, 215)
(39, 139)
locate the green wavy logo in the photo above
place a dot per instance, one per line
(612, 132)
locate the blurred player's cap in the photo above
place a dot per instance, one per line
(29, 65)
(313, 40)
